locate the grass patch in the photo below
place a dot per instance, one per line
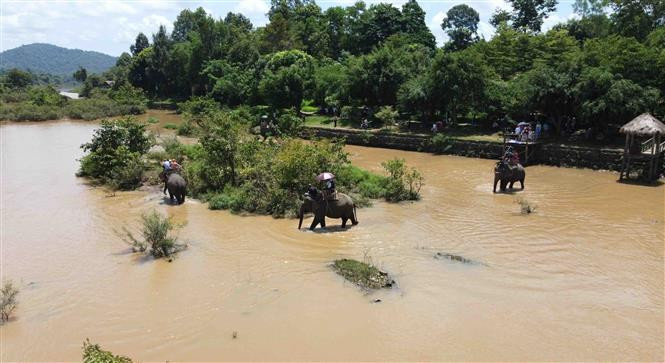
(171, 126)
(363, 274)
(152, 120)
(93, 353)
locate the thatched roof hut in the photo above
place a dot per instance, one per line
(643, 125)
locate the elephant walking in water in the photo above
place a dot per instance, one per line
(177, 187)
(508, 175)
(343, 207)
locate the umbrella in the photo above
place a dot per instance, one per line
(523, 124)
(325, 176)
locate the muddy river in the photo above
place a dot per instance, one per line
(581, 279)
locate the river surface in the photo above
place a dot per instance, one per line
(581, 279)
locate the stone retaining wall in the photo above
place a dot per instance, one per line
(550, 154)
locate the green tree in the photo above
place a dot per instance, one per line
(286, 78)
(528, 15)
(636, 18)
(81, 74)
(414, 25)
(499, 17)
(16, 78)
(220, 145)
(140, 44)
(461, 24)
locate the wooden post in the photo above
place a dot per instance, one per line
(625, 157)
(651, 158)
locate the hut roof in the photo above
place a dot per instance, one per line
(643, 125)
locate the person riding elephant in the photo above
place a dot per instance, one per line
(177, 186)
(316, 202)
(508, 175)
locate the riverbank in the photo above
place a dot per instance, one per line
(596, 158)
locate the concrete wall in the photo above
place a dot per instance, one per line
(549, 154)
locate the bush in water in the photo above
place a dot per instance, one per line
(8, 303)
(402, 183)
(93, 353)
(157, 239)
(526, 207)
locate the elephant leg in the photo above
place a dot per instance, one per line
(496, 180)
(511, 184)
(522, 183)
(344, 222)
(503, 185)
(171, 196)
(183, 198)
(354, 219)
(314, 223)
(164, 188)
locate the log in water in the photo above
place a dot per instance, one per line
(580, 279)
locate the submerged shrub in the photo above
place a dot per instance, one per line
(526, 207)
(93, 353)
(8, 303)
(157, 236)
(401, 183)
(170, 126)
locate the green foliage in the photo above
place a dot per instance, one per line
(114, 153)
(186, 128)
(93, 353)
(441, 143)
(171, 126)
(16, 78)
(287, 76)
(157, 232)
(401, 183)
(387, 115)
(152, 120)
(81, 74)
(8, 301)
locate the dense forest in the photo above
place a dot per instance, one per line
(53, 60)
(594, 72)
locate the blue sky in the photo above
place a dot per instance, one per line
(111, 26)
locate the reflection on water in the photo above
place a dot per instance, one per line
(581, 279)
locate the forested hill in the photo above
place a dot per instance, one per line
(51, 59)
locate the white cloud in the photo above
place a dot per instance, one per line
(434, 26)
(252, 7)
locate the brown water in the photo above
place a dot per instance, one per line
(581, 279)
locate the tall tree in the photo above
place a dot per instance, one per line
(81, 74)
(140, 44)
(636, 18)
(499, 17)
(585, 8)
(414, 25)
(461, 24)
(528, 15)
(286, 78)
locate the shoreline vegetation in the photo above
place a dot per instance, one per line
(231, 168)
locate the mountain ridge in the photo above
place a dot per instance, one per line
(55, 60)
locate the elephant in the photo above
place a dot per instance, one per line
(508, 175)
(177, 187)
(343, 208)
